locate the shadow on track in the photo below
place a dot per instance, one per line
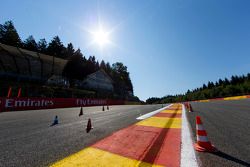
(156, 146)
(231, 158)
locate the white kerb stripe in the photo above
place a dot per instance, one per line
(202, 138)
(199, 127)
(145, 116)
(187, 150)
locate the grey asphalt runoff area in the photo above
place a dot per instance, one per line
(228, 126)
(27, 139)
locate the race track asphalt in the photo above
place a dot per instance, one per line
(228, 126)
(27, 139)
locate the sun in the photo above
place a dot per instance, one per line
(101, 37)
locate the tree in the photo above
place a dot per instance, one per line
(130, 85)
(120, 75)
(226, 81)
(234, 80)
(56, 48)
(9, 35)
(42, 46)
(217, 84)
(97, 66)
(103, 65)
(91, 65)
(204, 86)
(74, 68)
(153, 100)
(220, 82)
(30, 44)
(69, 51)
(108, 68)
(248, 76)
(210, 85)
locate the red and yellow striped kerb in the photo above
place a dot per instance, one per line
(155, 141)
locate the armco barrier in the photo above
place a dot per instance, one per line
(17, 104)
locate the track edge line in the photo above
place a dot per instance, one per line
(188, 156)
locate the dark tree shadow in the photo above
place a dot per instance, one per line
(157, 144)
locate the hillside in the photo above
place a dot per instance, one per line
(237, 85)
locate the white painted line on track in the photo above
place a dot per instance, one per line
(187, 150)
(145, 116)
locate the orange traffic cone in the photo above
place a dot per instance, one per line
(89, 126)
(81, 112)
(55, 122)
(203, 144)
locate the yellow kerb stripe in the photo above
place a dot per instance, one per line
(235, 98)
(161, 122)
(92, 157)
(171, 111)
(203, 100)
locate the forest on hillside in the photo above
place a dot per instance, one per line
(78, 66)
(236, 85)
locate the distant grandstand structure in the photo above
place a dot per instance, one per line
(23, 64)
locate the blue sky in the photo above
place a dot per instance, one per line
(168, 46)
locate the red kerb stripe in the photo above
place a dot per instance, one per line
(201, 132)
